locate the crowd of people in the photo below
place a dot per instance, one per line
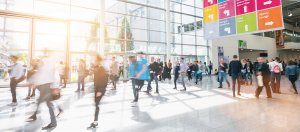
(43, 71)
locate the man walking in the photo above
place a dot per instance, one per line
(235, 67)
(154, 68)
(183, 70)
(264, 71)
(16, 74)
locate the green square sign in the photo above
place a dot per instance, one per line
(246, 23)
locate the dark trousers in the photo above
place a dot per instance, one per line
(154, 77)
(275, 82)
(13, 87)
(293, 79)
(80, 81)
(135, 90)
(45, 96)
(268, 89)
(97, 102)
(235, 79)
(121, 72)
(175, 81)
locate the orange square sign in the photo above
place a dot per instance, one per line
(270, 18)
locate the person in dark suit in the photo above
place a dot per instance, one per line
(161, 65)
(176, 73)
(262, 68)
(235, 67)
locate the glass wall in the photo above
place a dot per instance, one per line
(70, 28)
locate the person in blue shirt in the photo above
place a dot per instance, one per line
(143, 73)
(132, 74)
(291, 73)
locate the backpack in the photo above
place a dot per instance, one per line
(276, 69)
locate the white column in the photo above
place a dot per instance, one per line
(101, 44)
(168, 31)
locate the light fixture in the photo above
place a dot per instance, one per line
(251, 50)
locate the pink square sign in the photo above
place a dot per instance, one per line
(226, 9)
(264, 4)
(244, 6)
(209, 2)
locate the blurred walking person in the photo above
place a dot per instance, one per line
(262, 70)
(292, 74)
(33, 69)
(176, 73)
(132, 75)
(114, 72)
(183, 70)
(43, 79)
(82, 73)
(154, 68)
(222, 75)
(62, 74)
(276, 69)
(16, 75)
(235, 67)
(100, 84)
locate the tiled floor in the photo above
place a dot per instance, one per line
(202, 108)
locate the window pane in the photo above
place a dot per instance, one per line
(17, 24)
(187, 39)
(16, 40)
(95, 4)
(188, 50)
(157, 36)
(51, 42)
(51, 9)
(156, 48)
(157, 25)
(176, 49)
(139, 34)
(24, 6)
(83, 14)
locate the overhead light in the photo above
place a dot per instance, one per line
(251, 50)
(290, 13)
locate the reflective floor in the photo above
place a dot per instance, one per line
(203, 108)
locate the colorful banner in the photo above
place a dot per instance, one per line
(234, 17)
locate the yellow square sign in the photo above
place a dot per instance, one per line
(211, 14)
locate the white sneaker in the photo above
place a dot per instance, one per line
(12, 104)
(134, 104)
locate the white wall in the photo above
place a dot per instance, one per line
(230, 45)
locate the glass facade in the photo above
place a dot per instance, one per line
(71, 28)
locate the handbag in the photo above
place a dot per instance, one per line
(260, 81)
(55, 93)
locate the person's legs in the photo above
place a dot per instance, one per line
(273, 83)
(239, 86)
(258, 91)
(234, 79)
(82, 83)
(156, 82)
(133, 82)
(175, 81)
(51, 112)
(149, 85)
(293, 79)
(268, 89)
(97, 102)
(13, 86)
(182, 79)
(278, 79)
(196, 78)
(221, 78)
(78, 83)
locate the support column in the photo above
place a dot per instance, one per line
(101, 44)
(168, 31)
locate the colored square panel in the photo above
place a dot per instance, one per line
(245, 6)
(264, 4)
(246, 23)
(267, 19)
(209, 2)
(226, 9)
(211, 14)
(220, 1)
(211, 30)
(227, 27)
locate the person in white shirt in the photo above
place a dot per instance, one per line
(43, 79)
(182, 71)
(16, 75)
(276, 69)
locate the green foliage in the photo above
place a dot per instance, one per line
(128, 39)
